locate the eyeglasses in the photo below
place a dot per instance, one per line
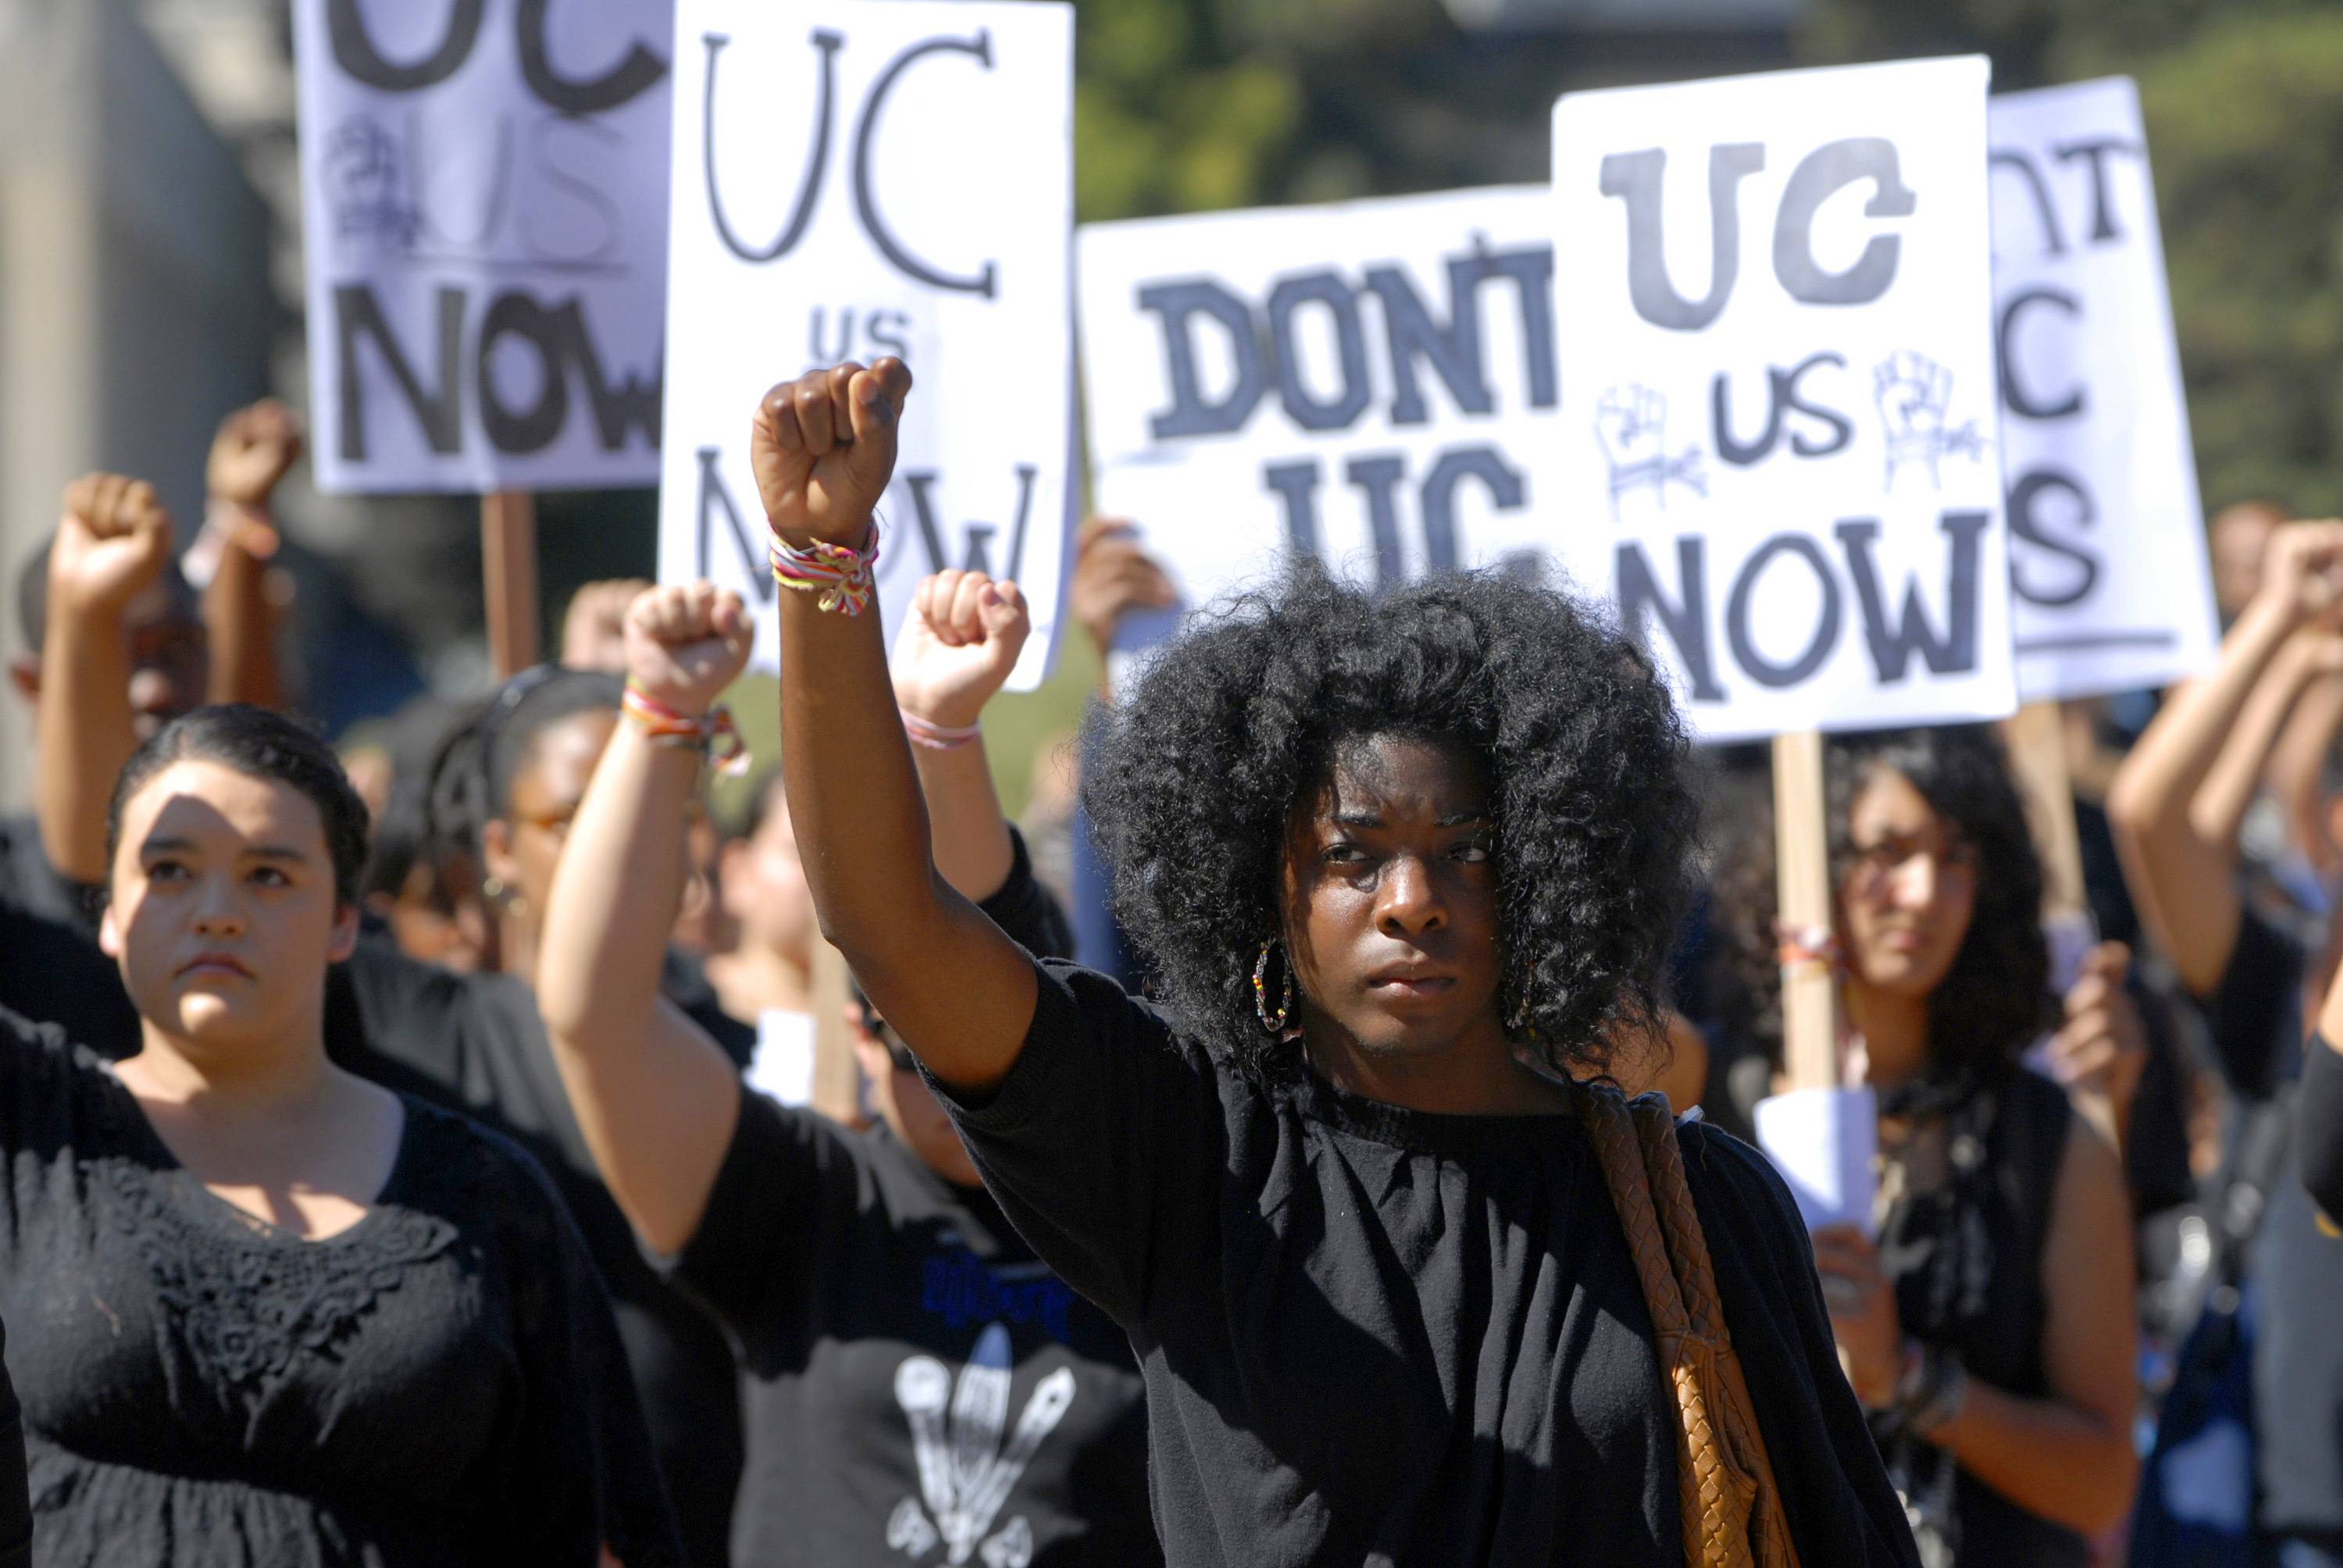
(1875, 864)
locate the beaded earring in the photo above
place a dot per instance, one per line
(1275, 1024)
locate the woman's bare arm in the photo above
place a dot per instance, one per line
(2178, 859)
(655, 1096)
(2069, 1457)
(112, 545)
(960, 993)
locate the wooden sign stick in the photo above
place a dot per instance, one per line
(508, 578)
(1803, 887)
(2036, 738)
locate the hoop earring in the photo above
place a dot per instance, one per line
(1273, 1025)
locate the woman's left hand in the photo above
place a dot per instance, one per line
(1862, 1304)
(2103, 1046)
(958, 645)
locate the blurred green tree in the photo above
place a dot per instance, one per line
(2243, 104)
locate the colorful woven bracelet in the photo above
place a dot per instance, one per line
(713, 736)
(940, 736)
(1802, 947)
(842, 576)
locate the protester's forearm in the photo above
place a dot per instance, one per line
(655, 1097)
(2052, 1458)
(959, 991)
(2159, 779)
(2217, 811)
(86, 736)
(2183, 882)
(2298, 764)
(241, 627)
(615, 894)
(971, 845)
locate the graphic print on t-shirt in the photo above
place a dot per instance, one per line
(966, 1469)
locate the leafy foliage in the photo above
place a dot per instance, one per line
(2243, 104)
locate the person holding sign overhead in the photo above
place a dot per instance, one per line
(1987, 1323)
(1398, 859)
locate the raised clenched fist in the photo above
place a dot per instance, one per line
(958, 646)
(685, 643)
(2302, 574)
(823, 448)
(1114, 575)
(2103, 1045)
(111, 546)
(254, 448)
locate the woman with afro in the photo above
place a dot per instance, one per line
(1400, 864)
(1989, 1331)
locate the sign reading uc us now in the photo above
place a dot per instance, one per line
(483, 201)
(868, 177)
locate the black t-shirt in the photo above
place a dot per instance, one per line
(2319, 1126)
(439, 1383)
(51, 969)
(2255, 1015)
(921, 1389)
(28, 882)
(1375, 1335)
(474, 1043)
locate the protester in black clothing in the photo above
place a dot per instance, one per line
(16, 1507)
(919, 1385)
(1362, 1245)
(2176, 807)
(126, 589)
(242, 1281)
(471, 1042)
(1990, 1328)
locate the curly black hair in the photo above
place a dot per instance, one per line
(1189, 781)
(1996, 999)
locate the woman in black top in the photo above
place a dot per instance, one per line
(471, 1042)
(1990, 1329)
(262, 1310)
(1384, 1308)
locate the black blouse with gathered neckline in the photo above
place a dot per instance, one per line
(438, 1382)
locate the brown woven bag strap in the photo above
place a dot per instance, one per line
(1714, 1494)
(1729, 1402)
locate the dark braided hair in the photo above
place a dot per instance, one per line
(259, 744)
(1995, 998)
(1191, 781)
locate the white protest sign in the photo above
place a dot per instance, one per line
(1778, 454)
(1366, 383)
(2106, 537)
(858, 178)
(484, 211)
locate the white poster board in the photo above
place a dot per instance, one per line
(1778, 447)
(1366, 383)
(484, 211)
(858, 178)
(2107, 562)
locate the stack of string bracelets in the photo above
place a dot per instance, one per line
(843, 579)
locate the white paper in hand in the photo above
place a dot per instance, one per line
(1822, 1141)
(782, 1067)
